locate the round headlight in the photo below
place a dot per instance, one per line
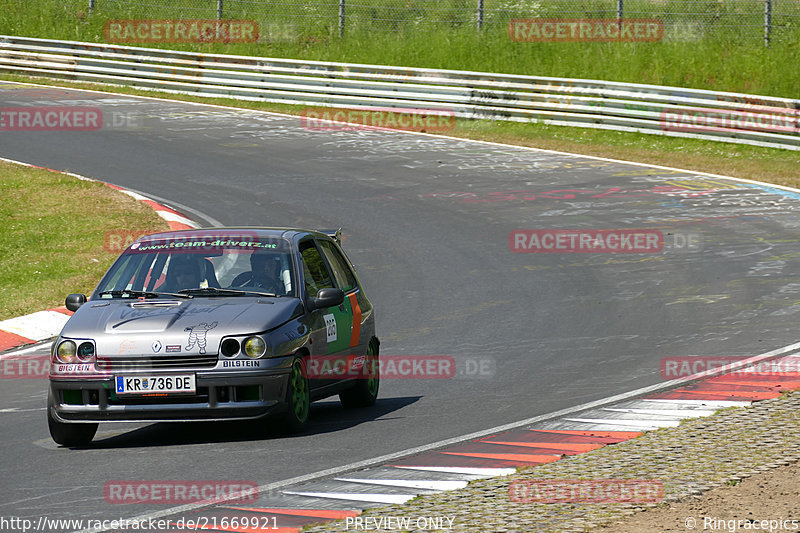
(254, 347)
(230, 347)
(85, 352)
(67, 352)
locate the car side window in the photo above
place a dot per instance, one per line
(314, 270)
(341, 268)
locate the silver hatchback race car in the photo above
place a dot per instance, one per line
(213, 324)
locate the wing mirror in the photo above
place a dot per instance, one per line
(74, 301)
(327, 298)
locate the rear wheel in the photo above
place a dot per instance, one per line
(298, 397)
(70, 434)
(365, 391)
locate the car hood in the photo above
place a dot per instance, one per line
(159, 327)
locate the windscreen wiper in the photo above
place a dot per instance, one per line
(143, 294)
(212, 291)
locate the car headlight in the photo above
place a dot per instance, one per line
(85, 352)
(254, 347)
(67, 352)
(229, 347)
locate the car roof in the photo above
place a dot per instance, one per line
(250, 231)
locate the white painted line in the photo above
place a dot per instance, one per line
(169, 216)
(371, 498)
(37, 326)
(467, 471)
(135, 195)
(43, 346)
(681, 413)
(622, 423)
(670, 405)
(721, 404)
(410, 483)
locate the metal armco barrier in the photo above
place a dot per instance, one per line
(731, 117)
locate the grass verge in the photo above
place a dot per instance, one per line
(53, 241)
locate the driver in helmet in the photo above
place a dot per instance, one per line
(265, 273)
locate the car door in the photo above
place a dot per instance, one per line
(331, 327)
(354, 300)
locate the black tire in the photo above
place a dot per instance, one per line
(365, 390)
(298, 398)
(70, 435)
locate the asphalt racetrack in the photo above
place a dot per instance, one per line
(427, 222)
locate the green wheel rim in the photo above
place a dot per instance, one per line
(300, 398)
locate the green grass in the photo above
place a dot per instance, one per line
(720, 60)
(54, 230)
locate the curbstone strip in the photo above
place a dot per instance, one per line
(35, 327)
(689, 459)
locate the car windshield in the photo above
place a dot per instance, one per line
(202, 266)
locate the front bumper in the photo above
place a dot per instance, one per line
(219, 396)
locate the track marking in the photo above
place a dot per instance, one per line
(359, 497)
(409, 483)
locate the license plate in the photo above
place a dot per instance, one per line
(155, 384)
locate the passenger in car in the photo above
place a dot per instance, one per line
(183, 273)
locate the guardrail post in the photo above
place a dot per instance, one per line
(619, 9)
(480, 14)
(767, 20)
(341, 18)
(219, 9)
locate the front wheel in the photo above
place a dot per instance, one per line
(70, 434)
(298, 398)
(365, 391)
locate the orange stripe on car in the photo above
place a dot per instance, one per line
(356, 333)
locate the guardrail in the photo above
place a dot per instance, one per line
(731, 117)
